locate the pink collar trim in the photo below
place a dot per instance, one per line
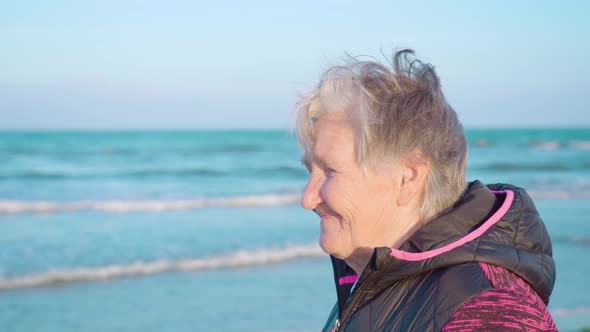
(411, 256)
(348, 280)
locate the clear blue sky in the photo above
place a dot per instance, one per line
(241, 64)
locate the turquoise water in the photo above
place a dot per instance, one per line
(185, 231)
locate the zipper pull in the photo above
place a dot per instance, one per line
(337, 325)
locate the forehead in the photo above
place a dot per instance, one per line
(334, 134)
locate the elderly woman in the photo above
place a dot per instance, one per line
(415, 247)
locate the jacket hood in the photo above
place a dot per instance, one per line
(497, 225)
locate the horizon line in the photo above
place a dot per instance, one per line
(155, 129)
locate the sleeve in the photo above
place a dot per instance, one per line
(501, 310)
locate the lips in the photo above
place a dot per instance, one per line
(324, 213)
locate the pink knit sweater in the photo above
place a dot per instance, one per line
(511, 306)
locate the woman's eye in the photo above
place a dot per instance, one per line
(330, 171)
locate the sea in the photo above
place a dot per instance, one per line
(202, 230)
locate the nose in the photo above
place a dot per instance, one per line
(311, 196)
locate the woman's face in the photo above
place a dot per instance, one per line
(356, 208)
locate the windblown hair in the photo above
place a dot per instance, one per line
(400, 111)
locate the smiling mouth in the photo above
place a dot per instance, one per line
(325, 214)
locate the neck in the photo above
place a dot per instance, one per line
(360, 257)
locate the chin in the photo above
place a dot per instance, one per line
(326, 245)
(329, 246)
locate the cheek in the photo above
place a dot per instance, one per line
(329, 191)
(339, 196)
(363, 209)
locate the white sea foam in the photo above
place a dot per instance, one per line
(570, 312)
(559, 194)
(556, 145)
(125, 206)
(11, 206)
(546, 145)
(236, 259)
(580, 145)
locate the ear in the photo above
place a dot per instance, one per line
(414, 171)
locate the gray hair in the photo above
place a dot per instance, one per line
(398, 112)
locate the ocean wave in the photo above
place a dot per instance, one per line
(580, 145)
(583, 241)
(134, 151)
(536, 144)
(280, 170)
(265, 200)
(241, 148)
(547, 166)
(566, 312)
(546, 145)
(238, 259)
(559, 194)
(482, 143)
(61, 175)
(166, 172)
(558, 145)
(10, 207)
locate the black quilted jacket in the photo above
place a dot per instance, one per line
(421, 285)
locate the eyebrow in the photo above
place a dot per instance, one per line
(307, 162)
